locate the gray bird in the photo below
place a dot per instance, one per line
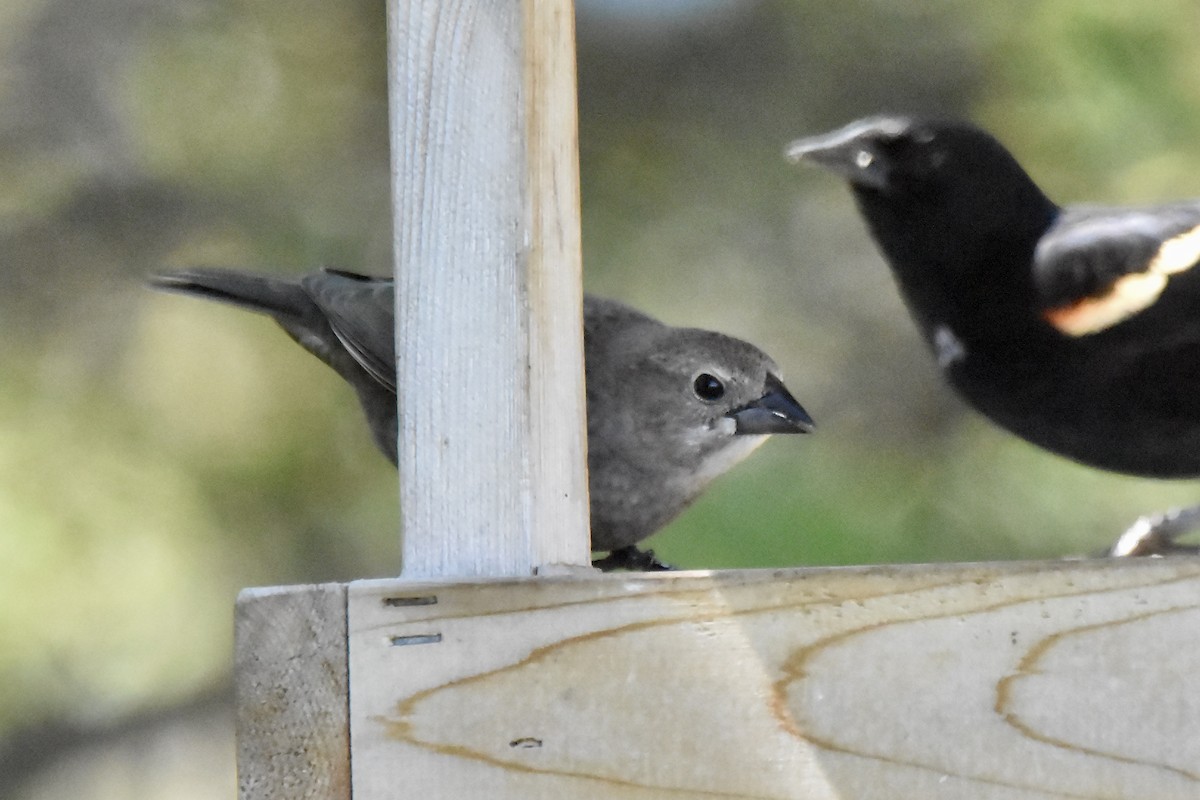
(669, 409)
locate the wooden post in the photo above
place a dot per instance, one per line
(488, 298)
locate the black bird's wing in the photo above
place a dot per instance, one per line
(1096, 266)
(361, 312)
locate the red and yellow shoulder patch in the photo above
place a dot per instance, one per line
(1129, 294)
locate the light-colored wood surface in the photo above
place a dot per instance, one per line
(489, 332)
(1004, 682)
(291, 688)
(558, 430)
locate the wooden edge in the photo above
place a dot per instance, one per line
(292, 693)
(1021, 681)
(554, 279)
(1074, 663)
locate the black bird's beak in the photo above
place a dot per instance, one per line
(850, 152)
(775, 412)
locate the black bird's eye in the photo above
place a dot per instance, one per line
(708, 387)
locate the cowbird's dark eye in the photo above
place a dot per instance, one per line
(708, 387)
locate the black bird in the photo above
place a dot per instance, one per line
(669, 409)
(1074, 327)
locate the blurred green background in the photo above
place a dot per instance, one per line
(157, 454)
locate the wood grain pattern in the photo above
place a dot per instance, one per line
(558, 433)
(1011, 681)
(489, 335)
(291, 685)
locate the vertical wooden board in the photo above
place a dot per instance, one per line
(291, 686)
(988, 682)
(558, 429)
(488, 320)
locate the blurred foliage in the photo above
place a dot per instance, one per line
(1099, 99)
(157, 454)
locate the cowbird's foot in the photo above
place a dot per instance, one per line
(632, 559)
(1156, 534)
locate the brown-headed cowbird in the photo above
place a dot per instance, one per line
(669, 409)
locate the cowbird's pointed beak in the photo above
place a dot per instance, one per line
(775, 412)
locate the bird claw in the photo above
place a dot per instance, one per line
(1155, 534)
(632, 559)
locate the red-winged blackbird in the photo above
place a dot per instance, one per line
(1074, 327)
(669, 409)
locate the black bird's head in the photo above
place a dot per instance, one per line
(909, 156)
(946, 202)
(916, 166)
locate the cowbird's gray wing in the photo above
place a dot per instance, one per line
(361, 312)
(343, 319)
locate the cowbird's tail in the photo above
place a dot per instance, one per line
(282, 299)
(303, 308)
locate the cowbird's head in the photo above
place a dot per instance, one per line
(669, 409)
